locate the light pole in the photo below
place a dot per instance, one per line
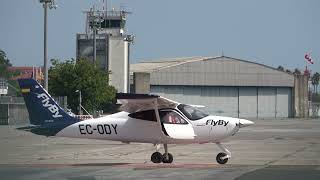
(51, 5)
(80, 100)
(95, 20)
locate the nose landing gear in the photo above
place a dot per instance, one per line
(223, 157)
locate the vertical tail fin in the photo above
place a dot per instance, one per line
(42, 108)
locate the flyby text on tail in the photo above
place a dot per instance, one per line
(43, 109)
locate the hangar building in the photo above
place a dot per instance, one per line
(226, 86)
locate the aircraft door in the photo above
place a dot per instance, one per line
(175, 126)
(202, 131)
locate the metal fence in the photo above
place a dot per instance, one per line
(315, 110)
(13, 110)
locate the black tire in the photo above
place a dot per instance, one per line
(168, 159)
(156, 157)
(220, 160)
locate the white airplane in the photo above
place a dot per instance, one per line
(144, 118)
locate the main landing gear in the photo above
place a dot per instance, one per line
(223, 157)
(157, 157)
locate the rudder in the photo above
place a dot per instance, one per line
(42, 108)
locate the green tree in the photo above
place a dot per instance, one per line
(288, 71)
(67, 77)
(4, 64)
(315, 81)
(4, 73)
(316, 98)
(280, 68)
(297, 71)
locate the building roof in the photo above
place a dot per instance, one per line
(154, 65)
(21, 68)
(26, 72)
(213, 71)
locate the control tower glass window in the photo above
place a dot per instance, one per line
(111, 24)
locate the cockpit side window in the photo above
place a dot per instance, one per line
(168, 116)
(148, 115)
(171, 117)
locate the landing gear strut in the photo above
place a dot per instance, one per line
(157, 157)
(223, 157)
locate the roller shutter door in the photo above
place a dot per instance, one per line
(173, 92)
(283, 102)
(191, 95)
(228, 101)
(159, 90)
(244, 102)
(266, 102)
(221, 101)
(248, 102)
(209, 97)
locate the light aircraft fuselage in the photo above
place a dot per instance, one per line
(144, 118)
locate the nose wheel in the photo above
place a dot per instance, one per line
(223, 157)
(166, 157)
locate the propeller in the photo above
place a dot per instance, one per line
(244, 123)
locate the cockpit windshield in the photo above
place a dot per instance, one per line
(191, 113)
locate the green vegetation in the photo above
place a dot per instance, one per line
(316, 97)
(4, 63)
(4, 73)
(280, 68)
(67, 77)
(315, 81)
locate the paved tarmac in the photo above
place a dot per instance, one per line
(271, 149)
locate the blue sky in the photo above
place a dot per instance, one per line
(272, 32)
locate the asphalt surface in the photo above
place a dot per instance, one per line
(271, 149)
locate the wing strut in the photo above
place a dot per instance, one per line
(155, 104)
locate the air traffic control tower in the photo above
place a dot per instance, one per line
(106, 44)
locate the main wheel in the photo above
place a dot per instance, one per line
(167, 159)
(220, 158)
(156, 157)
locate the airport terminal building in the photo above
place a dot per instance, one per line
(226, 86)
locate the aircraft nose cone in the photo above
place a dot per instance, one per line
(245, 123)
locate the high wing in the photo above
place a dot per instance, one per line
(141, 102)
